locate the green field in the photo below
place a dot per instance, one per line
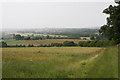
(14, 42)
(63, 62)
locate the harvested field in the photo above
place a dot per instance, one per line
(49, 41)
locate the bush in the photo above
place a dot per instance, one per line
(69, 43)
(56, 44)
(30, 45)
(96, 43)
(3, 44)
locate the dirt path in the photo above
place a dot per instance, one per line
(92, 58)
(89, 60)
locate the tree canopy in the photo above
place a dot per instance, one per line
(3, 44)
(112, 28)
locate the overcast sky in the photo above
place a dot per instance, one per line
(35, 14)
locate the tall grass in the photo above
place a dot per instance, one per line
(54, 62)
(63, 62)
(105, 66)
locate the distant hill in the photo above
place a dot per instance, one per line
(82, 32)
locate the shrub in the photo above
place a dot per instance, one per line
(69, 43)
(30, 45)
(3, 44)
(56, 44)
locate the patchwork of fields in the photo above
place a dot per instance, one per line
(49, 41)
(38, 42)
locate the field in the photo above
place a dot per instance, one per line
(38, 42)
(49, 41)
(14, 42)
(63, 62)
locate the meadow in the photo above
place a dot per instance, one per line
(14, 42)
(63, 62)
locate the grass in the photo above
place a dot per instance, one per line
(14, 42)
(63, 62)
(104, 66)
(53, 62)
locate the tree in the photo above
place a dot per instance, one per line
(18, 37)
(112, 28)
(56, 44)
(3, 44)
(81, 43)
(26, 38)
(47, 37)
(69, 43)
(92, 37)
(30, 45)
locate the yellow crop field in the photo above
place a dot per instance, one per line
(44, 62)
(60, 62)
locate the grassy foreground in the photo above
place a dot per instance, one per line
(63, 62)
(105, 66)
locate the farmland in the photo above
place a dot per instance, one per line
(38, 42)
(14, 42)
(55, 62)
(49, 41)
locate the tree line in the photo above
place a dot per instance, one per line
(19, 37)
(95, 43)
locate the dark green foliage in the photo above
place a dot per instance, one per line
(112, 28)
(3, 44)
(40, 45)
(16, 45)
(26, 38)
(30, 45)
(44, 45)
(47, 37)
(56, 44)
(84, 63)
(69, 43)
(96, 43)
(18, 37)
(92, 37)
(36, 38)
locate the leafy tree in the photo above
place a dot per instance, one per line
(3, 44)
(69, 43)
(56, 44)
(112, 28)
(81, 43)
(18, 37)
(92, 37)
(26, 38)
(30, 45)
(47, 37)
(41, 45)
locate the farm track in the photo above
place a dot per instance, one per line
(92, 58)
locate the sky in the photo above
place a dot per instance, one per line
(54, 13)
